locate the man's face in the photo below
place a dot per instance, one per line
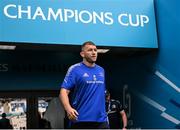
(108, 98)
(89, 53)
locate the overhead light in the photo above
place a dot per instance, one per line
(7, 47)
(102, 50)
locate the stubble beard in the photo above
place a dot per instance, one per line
(90, 60)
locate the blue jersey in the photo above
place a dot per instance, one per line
(88, 87)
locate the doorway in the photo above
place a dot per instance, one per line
(25, 108)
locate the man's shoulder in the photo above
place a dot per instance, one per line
(115, 101)
(72, 69)
(99, 67)
(74, 66)
(4, 120)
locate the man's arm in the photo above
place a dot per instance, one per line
(71, 113)
(124, 119)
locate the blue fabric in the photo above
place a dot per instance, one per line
(88, 87)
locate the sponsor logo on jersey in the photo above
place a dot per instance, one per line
(85, 75)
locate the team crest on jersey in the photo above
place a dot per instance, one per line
(85, 75)
(94, 77)
(113, 106)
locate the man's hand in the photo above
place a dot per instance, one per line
(124, 128)
(72, 114)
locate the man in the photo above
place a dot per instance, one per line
(4, 122)
(85, 82)
(116, 114)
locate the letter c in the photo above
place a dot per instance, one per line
(120, 19)
(6, 11)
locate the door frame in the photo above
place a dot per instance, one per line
(31, 97)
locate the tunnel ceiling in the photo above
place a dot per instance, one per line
(118, 51)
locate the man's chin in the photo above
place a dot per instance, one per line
(92, 62)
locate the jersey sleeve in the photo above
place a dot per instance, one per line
(119, 106)
(69, 80)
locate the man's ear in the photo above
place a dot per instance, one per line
(82, 54)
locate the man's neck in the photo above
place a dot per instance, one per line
(88, 63)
